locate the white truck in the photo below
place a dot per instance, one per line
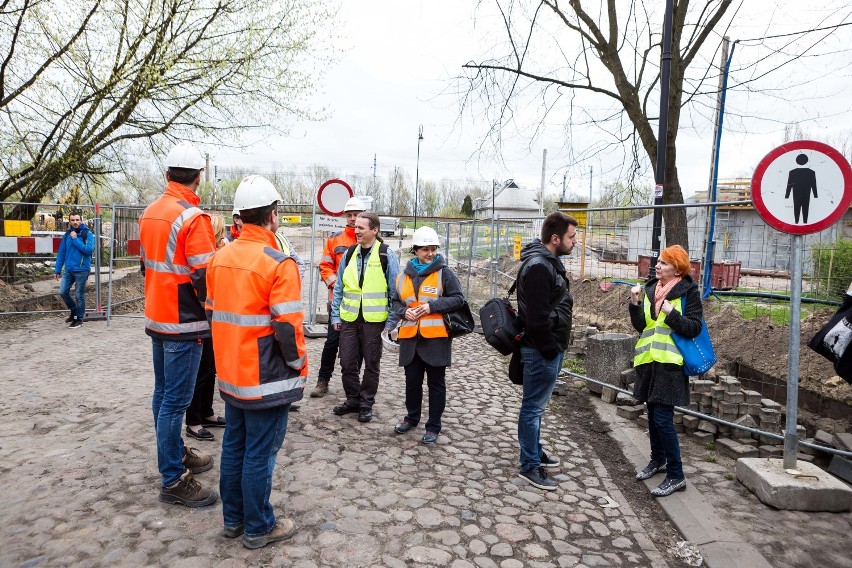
(388, 226)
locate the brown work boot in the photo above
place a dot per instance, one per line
(188, 492)
(195, 461)
(320, 390)
(283, 529)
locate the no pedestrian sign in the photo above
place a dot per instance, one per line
(802, 187)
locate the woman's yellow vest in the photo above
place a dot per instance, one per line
(429, 326)
(372, 299)
(656, 343)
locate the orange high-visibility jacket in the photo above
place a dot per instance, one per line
(177, 242)
(254, 306)
(335, 248)
(429, 326)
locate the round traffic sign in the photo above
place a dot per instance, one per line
(333, 195)
(802, 187)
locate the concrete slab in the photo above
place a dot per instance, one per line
(808, 489)
(315, 330)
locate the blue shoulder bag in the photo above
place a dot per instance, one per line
(697, 352)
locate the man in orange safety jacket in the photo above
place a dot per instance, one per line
(177, 242)
(335, 247)
(254, 307)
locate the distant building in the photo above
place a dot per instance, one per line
(510, 202)
(740, 235)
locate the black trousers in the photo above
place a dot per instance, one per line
(202, 398)
(329, 354)
(361, 341)
(435, 380)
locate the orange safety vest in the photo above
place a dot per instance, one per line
(254, 306)
(335, 247)
(177, 243)
(429, 326)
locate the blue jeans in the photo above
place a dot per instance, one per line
(175, 367)
(78, 280)
(664, 443)
(249, 448)
(539, 380)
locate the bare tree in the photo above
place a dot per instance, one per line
(84, 84)
(598, 65)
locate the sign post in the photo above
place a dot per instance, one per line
(800, 188)
(331, 198)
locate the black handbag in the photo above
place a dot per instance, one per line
(459, 322)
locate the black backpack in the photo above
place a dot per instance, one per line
(500, 324)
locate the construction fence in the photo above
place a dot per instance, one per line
(744, 275)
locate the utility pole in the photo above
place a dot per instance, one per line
(374, 175)
(394, 192)
(215, 181)
(564, 178)
(541, 195)
(662, 137)
(207, 167)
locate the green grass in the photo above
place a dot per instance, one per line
(729, 476)
(710, 458)
(710, 446)
(575, 365)
(779, 313)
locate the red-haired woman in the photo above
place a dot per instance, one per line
(670, 302)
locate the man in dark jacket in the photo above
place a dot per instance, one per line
(545, 308)
(75, 255)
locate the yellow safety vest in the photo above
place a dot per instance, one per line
(656, 343)
(429, 326)
(282, 244)
(372, 300)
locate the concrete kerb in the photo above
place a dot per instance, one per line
(689, 511)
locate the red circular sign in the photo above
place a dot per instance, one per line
(333, 195)
(797, 199)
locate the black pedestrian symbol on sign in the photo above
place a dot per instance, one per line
(801, 181)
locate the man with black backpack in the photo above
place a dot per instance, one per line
(545, 310)
(360, 311)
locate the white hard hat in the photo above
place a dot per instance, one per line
(425, 237)
(389, 343)
(254, 192)
(185, 155)
(354, 204)
(236, 212)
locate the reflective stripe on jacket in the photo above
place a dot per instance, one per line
(254, 306)
(371, 299)
(429, 326)
(177, 243)
(656, 343)
(335, 247)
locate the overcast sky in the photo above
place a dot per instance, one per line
(402, 53)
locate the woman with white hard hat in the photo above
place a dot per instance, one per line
(425, 291)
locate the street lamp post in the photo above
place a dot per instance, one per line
(417, 174)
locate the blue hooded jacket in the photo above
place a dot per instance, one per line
(75, 254)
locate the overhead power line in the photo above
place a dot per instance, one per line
(834, 27)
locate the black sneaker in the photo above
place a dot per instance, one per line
(69, 319)
(365, 415)
(669, 486)
(549, 462)
(538, 478)
(344, 408)
(653, 468)
(404, 426)
(75, 323)
(202, 434)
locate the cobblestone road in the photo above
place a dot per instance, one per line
(79, 483)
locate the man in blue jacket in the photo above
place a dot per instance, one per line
(75, 254)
